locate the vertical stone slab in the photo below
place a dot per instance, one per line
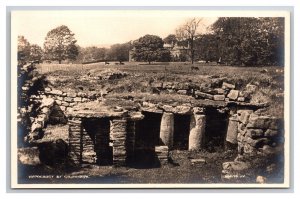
(75, 144)
(167, 129)
(130, 141)
(232, 130)
(118, 131)
(196, 136)
(88, 151)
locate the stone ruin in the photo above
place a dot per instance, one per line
(105, 135)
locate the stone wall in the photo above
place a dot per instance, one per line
(258, 134)
(219, 90)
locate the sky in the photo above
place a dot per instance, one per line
(102, 28)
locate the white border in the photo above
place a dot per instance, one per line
(143, 3)
(223, 13)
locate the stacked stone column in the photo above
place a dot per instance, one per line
(75, 136)
(118, 129)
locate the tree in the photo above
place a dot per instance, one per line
(23, 49)
(250, 41)
(189, 32)
(206, 47)
(60, 44)
(120, 52)
(170, 39)
(150, 48)
(36, 53)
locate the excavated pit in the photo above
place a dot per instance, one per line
(215, 129)
(181, 131)
(98, 130)
(146, 138)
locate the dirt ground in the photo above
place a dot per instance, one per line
(181, 169)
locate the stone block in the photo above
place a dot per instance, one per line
(47, 102)
(236, 166)
(68, 99)
(85, 99)
(243, 115)
(220, 91)
(219, 97)
(168, 85)
(63, 108)
(259, 122)
(250, 88)
(248, 149)
(271, 133)
(58, 102)
(198, 110)
(77, 99)
(182, 92)
(233, 94)
(45, 110)
(182, 109)
(255, 133)
(72, 95)
(227, 86)
(240, 99)
(48, 89)
(59, 98)
(203, 95)
(63, 103)
(29, 156)
(157, 84)
(56, 92)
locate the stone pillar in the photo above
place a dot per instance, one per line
(232, 130)
(196, 137)
(167, 129)
(75, 144)
(118, 132)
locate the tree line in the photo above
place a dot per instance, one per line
(241, 41)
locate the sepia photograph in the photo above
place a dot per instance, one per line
(150, 99)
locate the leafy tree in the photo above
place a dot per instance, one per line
(23, 49)
(36, 53)
(120, 52)
(150, 48)
(206, 47)
(60, 45)
(91, 53)
(250, 41)
(189, 31)
(170, 39)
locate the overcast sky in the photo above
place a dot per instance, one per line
(101, 28)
